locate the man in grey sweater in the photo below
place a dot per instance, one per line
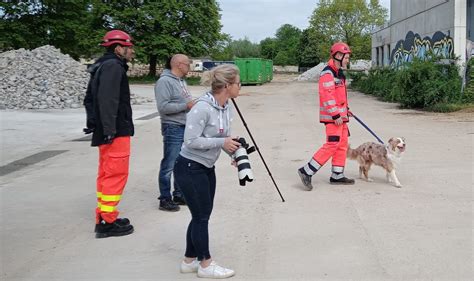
(173, 101)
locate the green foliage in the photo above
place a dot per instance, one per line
(427, 85)
(424, 84)
(67, 25)
(468, 95)
(268, 48)
(159, 28)
(308, 54)
(283, 58)
(192, 81)
(222, 50)
(163, 28)
(17, 18)
(284, 49)
(243, 48)
(147, 79)
(287, 45)
(379, 82)
(350, 21)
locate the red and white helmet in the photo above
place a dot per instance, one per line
(116, 37)
(340, 47)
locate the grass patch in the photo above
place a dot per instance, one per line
(193, 81)
(451, 107)
(142, 79)
(152, 80)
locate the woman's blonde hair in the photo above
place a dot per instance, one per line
(220, 76)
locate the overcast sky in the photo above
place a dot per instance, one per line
(259, 19)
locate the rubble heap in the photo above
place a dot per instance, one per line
(43, 78)
(313, 73)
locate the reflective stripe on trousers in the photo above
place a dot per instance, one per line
(335, 146)
(111, 177)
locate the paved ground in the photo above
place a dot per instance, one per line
(369, 231)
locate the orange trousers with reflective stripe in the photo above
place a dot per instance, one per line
(335, 146)
(112, 177)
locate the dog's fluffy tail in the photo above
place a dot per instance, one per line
(351, 153)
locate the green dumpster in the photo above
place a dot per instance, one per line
(252, 70)
(269, 70)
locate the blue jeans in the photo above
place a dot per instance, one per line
(173, 136)
(198, 184)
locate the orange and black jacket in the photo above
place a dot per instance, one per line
(332, 94)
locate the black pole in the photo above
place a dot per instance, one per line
(258, 150)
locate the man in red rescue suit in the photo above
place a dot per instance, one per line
(334, 113)
(109, 118)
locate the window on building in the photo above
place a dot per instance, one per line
(470, 20)
(377, 56)
(382, 56)
(388, 53)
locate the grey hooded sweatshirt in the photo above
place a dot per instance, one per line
(207, 126)
(172, 96)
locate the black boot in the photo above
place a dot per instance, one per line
(305, 179)
(105, 229)
(120, 221)
(179, 200)
(341, 181)
(168, 205)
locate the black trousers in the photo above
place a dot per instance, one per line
(198, 185)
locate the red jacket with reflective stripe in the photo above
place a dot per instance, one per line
(332, 94)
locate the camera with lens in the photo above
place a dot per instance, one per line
(243, 163)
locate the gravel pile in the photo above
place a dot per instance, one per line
(361, 65)
(40, 79)
(43, 78)
(312, 74)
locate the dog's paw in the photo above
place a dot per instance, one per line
(398, 185)
(370, 180)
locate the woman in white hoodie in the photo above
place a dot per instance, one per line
(207, 133)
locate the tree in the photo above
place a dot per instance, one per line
(287, 44)
(350, 21)
(163, 28)
(222, 50)
(63, 24)
(308, 53)
(159, 28)
(268, 48)
(17, 18)
(243, 48)
(284, 48)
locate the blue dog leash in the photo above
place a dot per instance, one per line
(368, 129)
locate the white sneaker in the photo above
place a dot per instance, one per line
(215, 271)
(189, 267)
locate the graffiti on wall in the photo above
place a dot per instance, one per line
(440, 45)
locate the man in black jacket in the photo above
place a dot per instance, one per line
(109, 119)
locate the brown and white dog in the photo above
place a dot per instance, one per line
(387, 156)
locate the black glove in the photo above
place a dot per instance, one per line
(90, 127)
(108, 139)
(88, 131)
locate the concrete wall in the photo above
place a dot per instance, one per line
(285, 68)
(420, 26)
(470, 20)
(380, 47)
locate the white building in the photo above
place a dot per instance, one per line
(416, 27)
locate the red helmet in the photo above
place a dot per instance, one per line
(116, 37)
(340, 47)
